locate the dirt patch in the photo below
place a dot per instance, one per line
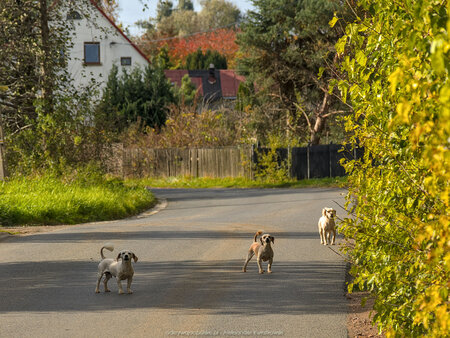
(359, 319)
(29, 230)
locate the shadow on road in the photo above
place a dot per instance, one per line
(227, 193)
(217, 286)
(103, 236)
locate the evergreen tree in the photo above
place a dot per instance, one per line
(200, 60)
(188, 90)
(286, 44)
(141, 95)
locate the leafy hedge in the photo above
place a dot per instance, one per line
(395, 65)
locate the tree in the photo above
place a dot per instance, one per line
(185, 30)
(200, 60)
(185, 5)
(40, 110)
(186, 95)
(164, 9)
(220, 40)
(139, 96)
(218, 14)
(395, 73)
(285, 45)
(33, 67)
(180, 23)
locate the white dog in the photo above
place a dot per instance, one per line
(327, 226)
(113, 267)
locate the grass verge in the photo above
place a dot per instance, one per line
(206, 182)
(48, 200)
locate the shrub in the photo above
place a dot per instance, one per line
(396, 61)
(141, 95)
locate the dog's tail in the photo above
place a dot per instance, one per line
(107, 246)
(257, 234)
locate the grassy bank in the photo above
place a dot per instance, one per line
(49, 200)
(205, 182)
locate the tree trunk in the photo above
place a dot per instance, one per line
(46, 61)
(3, 172)
(320, 123)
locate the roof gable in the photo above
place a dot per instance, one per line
(56, 2)
(120, 31)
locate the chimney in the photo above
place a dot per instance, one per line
(212, 74)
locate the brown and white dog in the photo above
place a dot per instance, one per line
(262, 250)
(113, 267)
(327, 226)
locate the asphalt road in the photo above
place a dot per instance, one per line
(188, 279)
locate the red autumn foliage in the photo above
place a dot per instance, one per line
(222, 40)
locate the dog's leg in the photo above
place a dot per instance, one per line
(334, 237)
(322, 237)
(249, 256)
(130, 279)
(119, 285)
(269, 266)
(99, 278)
(105, 281)
(259, 265)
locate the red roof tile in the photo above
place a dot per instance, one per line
(230, 82)
(175, 76)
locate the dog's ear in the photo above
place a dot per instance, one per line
(324, 210)
(272, 239)
(119, 256)
(260, 239)
(134, 257)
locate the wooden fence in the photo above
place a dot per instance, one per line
(205, 162)
(308, 162)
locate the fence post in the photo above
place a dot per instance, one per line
(3, 172)
(329, 159)
(307, 161)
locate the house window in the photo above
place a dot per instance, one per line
(92, 53)
(125, 61)
(73, 15)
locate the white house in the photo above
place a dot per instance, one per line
(98, 44)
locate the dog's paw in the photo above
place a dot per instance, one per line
(97, 291)
(269, 271)
(130, 292)
(107, 290)
(261, 272)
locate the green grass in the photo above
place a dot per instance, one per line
(89, 196)
(205, 182)
(47, 200)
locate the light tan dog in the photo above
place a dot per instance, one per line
(263, 252)
(113, 267)
(327, 226)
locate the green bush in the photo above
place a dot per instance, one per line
(199, 60)
(396, 61)
(139, 95)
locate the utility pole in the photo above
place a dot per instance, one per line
(3, 173)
